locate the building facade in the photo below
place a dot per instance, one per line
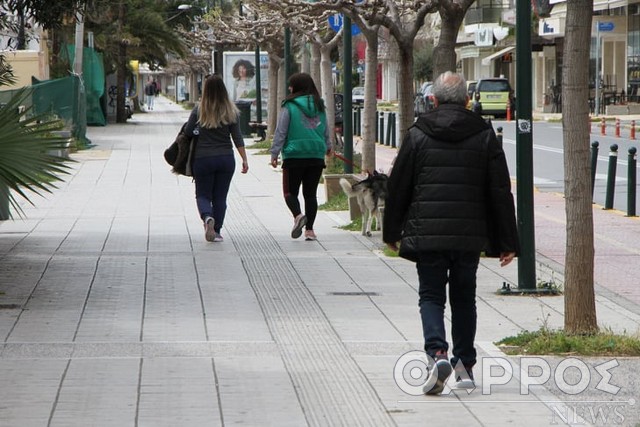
(486, 48)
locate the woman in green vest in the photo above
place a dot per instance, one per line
(302, 135)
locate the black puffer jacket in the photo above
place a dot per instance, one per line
(450, 188)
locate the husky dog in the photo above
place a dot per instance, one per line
(370, 194)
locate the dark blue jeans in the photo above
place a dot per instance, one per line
(213, 178)
(435, 270)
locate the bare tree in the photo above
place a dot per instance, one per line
(452, 14)
(255, 26)
(579, 300)
(371, 34)
(312, 23)
(403, 19)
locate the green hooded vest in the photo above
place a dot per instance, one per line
(306, 133)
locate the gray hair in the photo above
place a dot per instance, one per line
(450, 88)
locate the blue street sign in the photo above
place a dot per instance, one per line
(605, 26)
(335, 22)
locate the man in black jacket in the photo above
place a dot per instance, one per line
(449, 199)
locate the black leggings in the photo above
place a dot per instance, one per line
(309, 177)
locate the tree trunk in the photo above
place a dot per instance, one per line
(405, 89)
(22, 37)
(121, 113)
(370, 103)
(305, 65)
(273, 104)
(444, 54)
(315, 65)
(327, 88)
(579, 297)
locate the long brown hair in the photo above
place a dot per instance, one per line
(302, 84)
(216, 109)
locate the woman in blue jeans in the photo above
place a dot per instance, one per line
(215, 121)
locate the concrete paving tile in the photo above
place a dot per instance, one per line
(112, 278)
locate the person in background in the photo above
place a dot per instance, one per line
(215, 120)
(449, 199)
(302, 136)
(150, 90)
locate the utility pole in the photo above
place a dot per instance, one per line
(347, 124)
(79, 45)
(524, 149)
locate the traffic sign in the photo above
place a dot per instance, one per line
(335, 22)
(605, 26)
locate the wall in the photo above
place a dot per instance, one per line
(27, 63)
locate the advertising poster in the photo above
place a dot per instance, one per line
(239, 74)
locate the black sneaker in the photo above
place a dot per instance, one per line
(464, 378)
(438, 375)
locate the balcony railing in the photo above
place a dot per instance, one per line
(481, 15)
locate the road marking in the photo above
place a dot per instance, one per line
(561, 151)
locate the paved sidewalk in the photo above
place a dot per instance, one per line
(116, 312)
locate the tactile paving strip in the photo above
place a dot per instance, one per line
(331, 387)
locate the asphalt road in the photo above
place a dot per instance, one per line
(548, 159)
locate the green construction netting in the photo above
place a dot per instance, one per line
(63, 98)
(94, 83)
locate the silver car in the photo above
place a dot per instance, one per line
(357, 95)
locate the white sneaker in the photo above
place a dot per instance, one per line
(298, 225)
(209, 232)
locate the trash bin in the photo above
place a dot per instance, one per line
(245, 116)
(186, 96)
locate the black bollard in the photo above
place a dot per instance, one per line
(611, 176)
(393, 130)
(594, 165)
(377, 126)
(499, 135)
(631, 183)
(381, 128)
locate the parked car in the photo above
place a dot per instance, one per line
(494, 94)
(357, 95)
(424, 100)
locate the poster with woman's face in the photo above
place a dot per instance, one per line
(239, 70)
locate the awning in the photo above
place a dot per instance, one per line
(608, 4)
(487, 60)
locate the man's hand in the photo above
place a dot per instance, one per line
(274, 163)
(506, 258)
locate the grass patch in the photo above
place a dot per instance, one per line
(339, 202)
(261, 145)
(545, 341)
(336, 165)
(355, 225)
(389, 252)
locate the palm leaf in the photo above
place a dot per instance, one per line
(6, 72)
(26, 144)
